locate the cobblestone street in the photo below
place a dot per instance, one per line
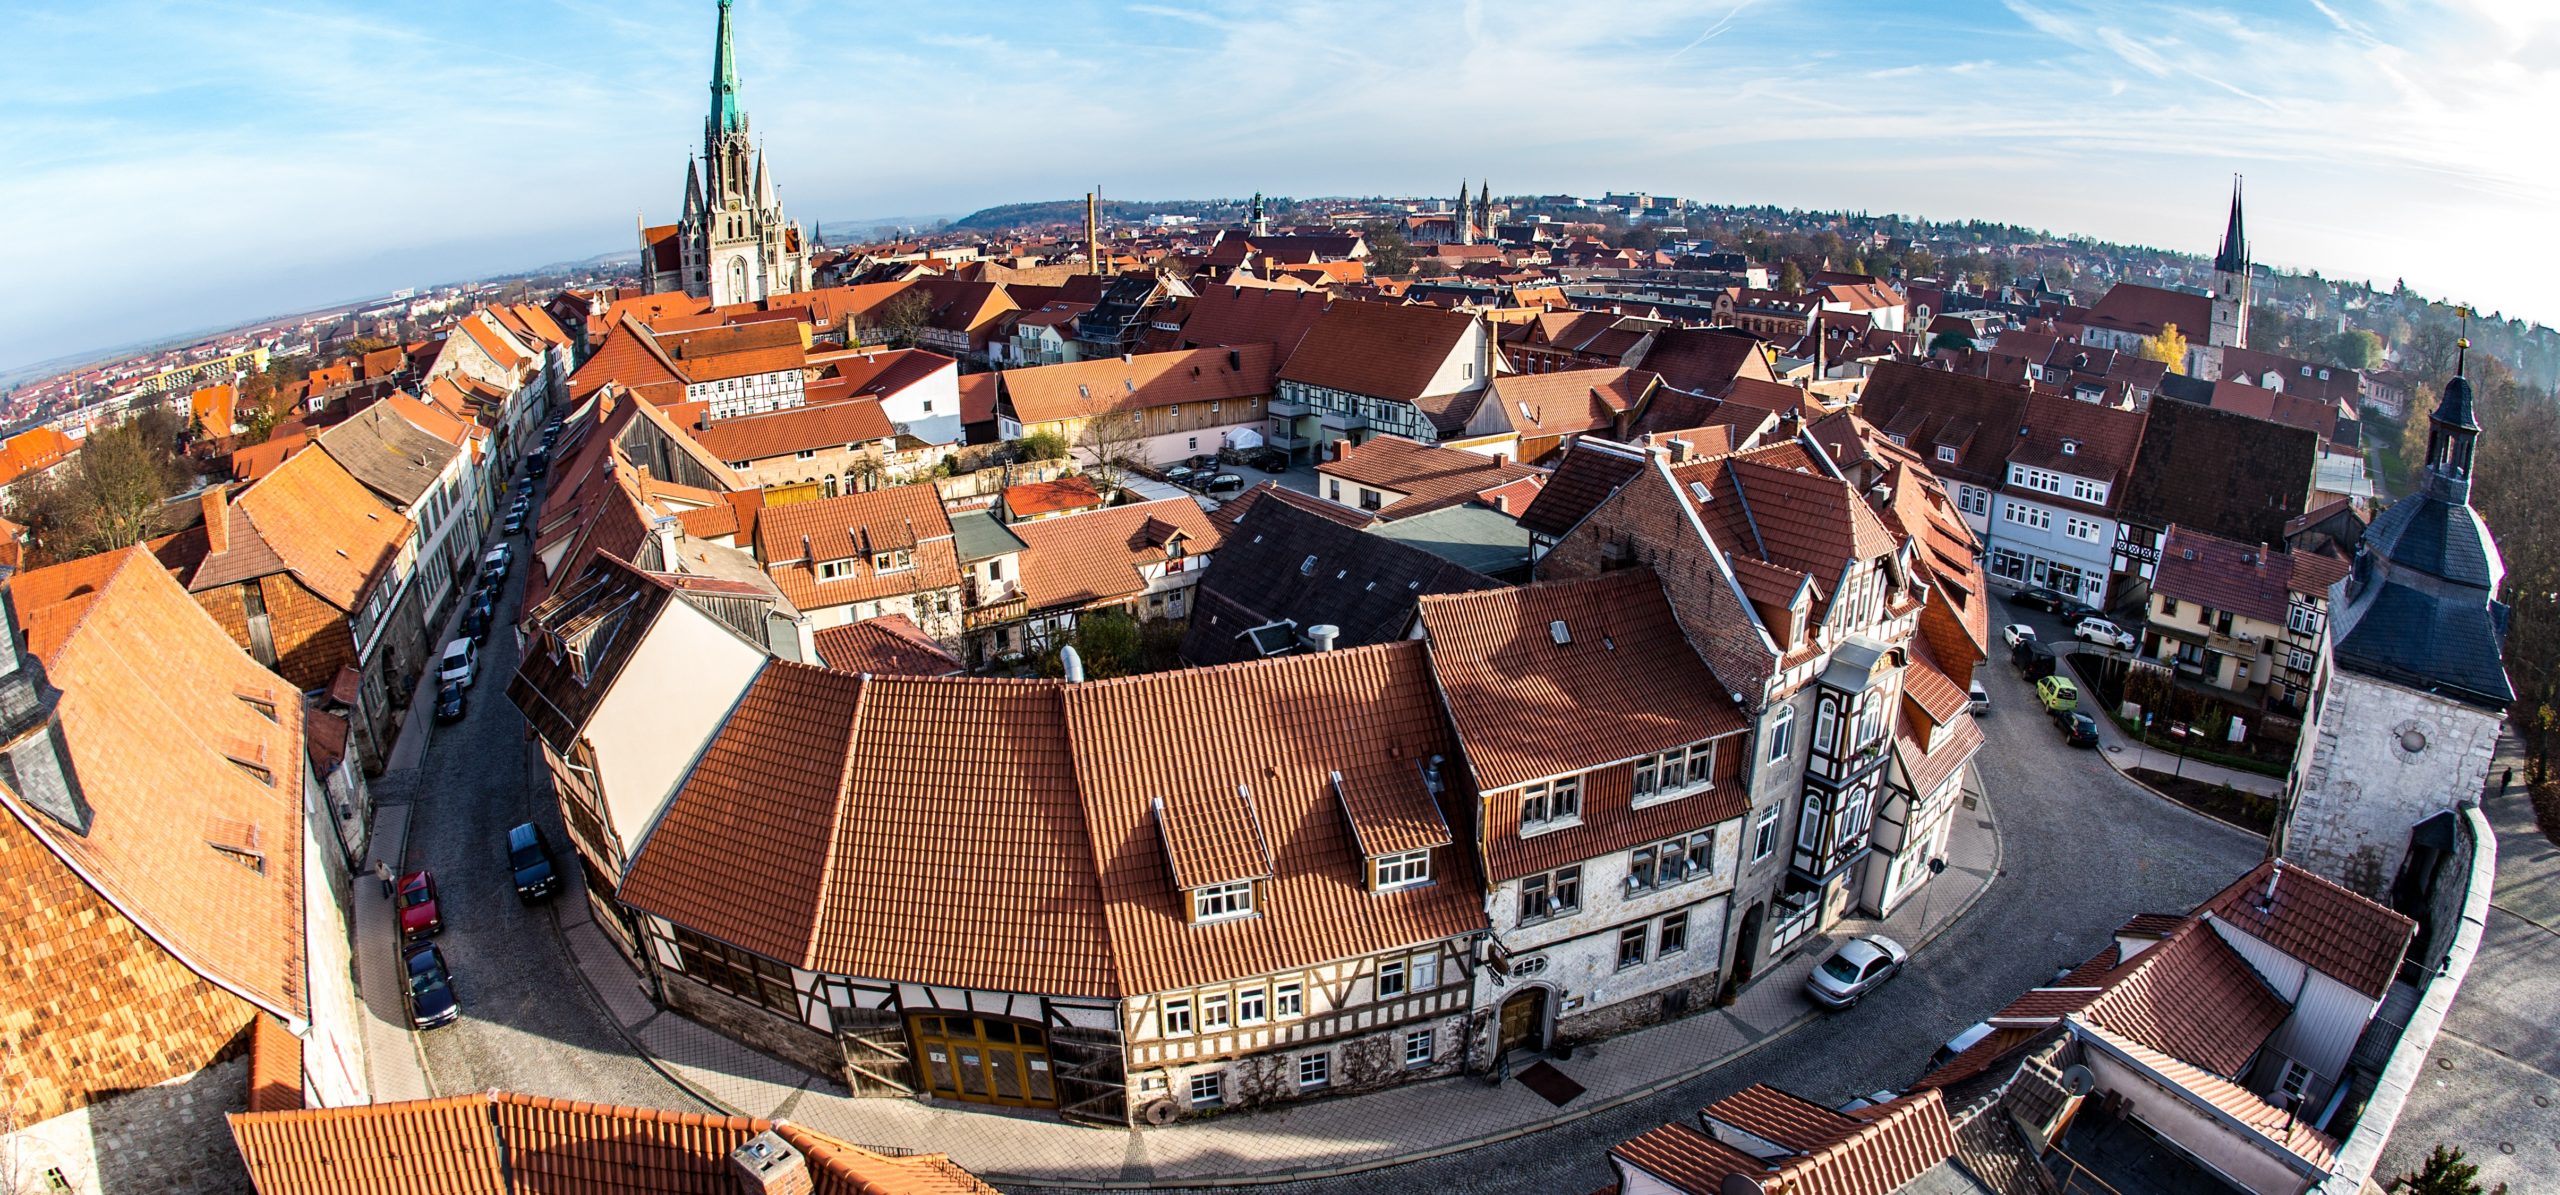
(2065, 818)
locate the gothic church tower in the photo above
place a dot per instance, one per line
(2231, 284)
(734, 245)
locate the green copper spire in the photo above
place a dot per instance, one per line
(724, 80)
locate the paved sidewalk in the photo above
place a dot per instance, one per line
(392, 1064)
(2124, 754)
(1312, 1139)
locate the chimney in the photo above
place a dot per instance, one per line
(217, 519)
(768, 1165)
(1320, 637)
(1500, 459)
(1073, 662)
(1679, 450)
(670, 536)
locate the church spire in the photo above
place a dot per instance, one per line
(724, 81)
(2234, 257)
(2453, 430)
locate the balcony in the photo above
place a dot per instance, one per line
(1288, 410)
(995, 613)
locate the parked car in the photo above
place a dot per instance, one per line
(483, 611)
(2034, 660)
(2041, 598)
(2074, 609)
(1978, 699)
(515, 520)
(1860, 966)
(2016, 633)
(536, 463)
(420, 915)
(1224, 485)
(453, 702)
(2078, 729)
(1271, 460)
(2058, 693)
(431, 998)
(1178, 475)
(529, 854)
(461, 663)
(495, 564)
(2098, 630)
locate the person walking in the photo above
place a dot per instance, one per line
(2506, 782)
(382, 872)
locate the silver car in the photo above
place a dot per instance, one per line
(1860, 966)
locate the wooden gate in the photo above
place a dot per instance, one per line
(878, 1060)
(1093, 1084)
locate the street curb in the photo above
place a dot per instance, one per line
(2125, 771)
(1998, 853)
(417, 1042)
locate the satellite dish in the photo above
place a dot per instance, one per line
(2077, 1080)
(1740, 1184)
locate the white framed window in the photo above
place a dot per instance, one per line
(835, 570)
(1674, 934)
(1177, 1017)
(1764, 836)
(1782, 734)
(2295, 1081)
(1674, 773)
(2303, 619)
(1426, 971)
(1675, 860)
(1213, 1013)
(1418, 1045)
(1947, 453)
(1404, 870)
(1220, 902)
(1315, 1070)
(1551, 894)
(1631, 946)
(2027, 516)
(2081, 529)
(2092, 492)
(1549, 801)
(1391, 979)
(1253, 1006)
(899, 561)
(1208, 1091)
(1289, 999)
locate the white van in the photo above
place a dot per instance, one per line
(1979, 700)
(460, 659)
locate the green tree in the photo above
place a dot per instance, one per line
(2414, 429)
(104, 498)
(2355, 348)
(1042, 446)
(1791, 278)
(2446, 1173)
(1950, 341)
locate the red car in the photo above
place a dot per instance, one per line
(420, 916)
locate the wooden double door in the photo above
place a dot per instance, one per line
(1524, 1019)
(984, 1060)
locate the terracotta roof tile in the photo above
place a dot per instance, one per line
(2271, 1122)
(822, 428)
(2246, 579)
(1095, 557)
(2194, 997)
(2333, 930)
(1584, 478)
(1876, 1151)
(1074, 491)
(331, 531)
(1392, 813)
(1082, 389)
(792, 540)
(1212, 837)
(1228, 316)
(890, 645)
(1429, 476)
(1377, 349)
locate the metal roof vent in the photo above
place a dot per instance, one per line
(1562, 634)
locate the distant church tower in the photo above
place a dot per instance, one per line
(2406, 720)
(2231, 286)
(733, 245)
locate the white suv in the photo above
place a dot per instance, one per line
(2103, 633)
(461, 660)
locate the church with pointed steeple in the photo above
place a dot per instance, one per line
(733, 244)
(2231, 282)
(2405, 720)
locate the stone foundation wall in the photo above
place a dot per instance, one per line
(1609, 1020)
(171, 1137)
(758, 1027)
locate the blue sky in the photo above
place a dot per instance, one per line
(173, 166)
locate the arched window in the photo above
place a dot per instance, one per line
(1782, 734)
(1826, 722)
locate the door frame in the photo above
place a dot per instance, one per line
(1542, 1021)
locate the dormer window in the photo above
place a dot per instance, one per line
(897, 561)
(1222, 902)
(1406, 870)
(2071, 448)
(1946, 454)
(835, 570)
(1550, 803)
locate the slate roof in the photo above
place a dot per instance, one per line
(980, 535)
(2341, 935)
(890, 645)
(2421, 606)
(2217, 471)
(1279, 561)
(501, 1143)
(1377, 349)
(391, 456)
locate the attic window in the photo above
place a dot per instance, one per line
(237, 840)
(2070, 447)
(1946, 454)
(1307, 567)
(265, 705)
(1698, 490)
(1559, 632)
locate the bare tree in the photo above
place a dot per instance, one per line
(1109, 440)
(898, 320)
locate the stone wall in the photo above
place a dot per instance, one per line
(170, 1137)
(1609, 1020)
(758, 1027)
(2364, 787)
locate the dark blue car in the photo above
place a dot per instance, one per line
(529, 854)
(431, 998)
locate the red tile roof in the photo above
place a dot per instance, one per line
(1212, 837)
(1572, 400)
(791, 540)
(2246, 579)
(1377, 349)
(501, 1143)
(1228, 316)
(1083, 389)
(1429, 476)
(830, 427)
(1095, 557)
(2194, 997)
(1875, 1151)
(2145, 310)
(1074, 491)
(2336, 932)
(890, 645)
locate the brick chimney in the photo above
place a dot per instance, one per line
(768, 1165)
(217, 519)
